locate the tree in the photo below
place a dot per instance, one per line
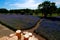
(28, 11)
(47, 8)
(36, 11)
(53, 8)
(3, 10)
(58, 11)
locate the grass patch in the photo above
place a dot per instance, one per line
(40, 14)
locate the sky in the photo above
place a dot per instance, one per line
(23, 4)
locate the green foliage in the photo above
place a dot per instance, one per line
(41, 15)
(3, 10)
(47, 8)
(58, 11)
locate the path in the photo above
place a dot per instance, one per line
(34, 28)
(4, 31)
